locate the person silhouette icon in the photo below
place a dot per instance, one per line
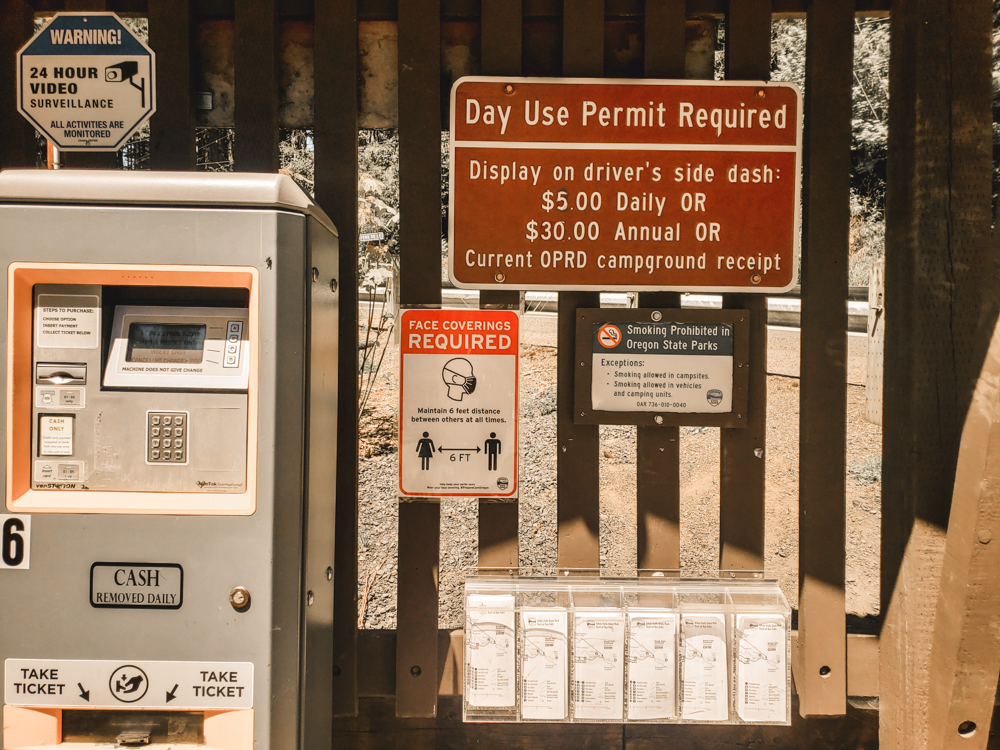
(492, 451)
(425, 449)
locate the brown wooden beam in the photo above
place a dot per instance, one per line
(171, 134)
(578, 446)
(741, 484)
(821, 677)
(658, 487)
(255, 144)
(417, 609)
(420, 282)
(940, 282)
(965, 650)
(18, 146)
(336, 175)
(501, 55)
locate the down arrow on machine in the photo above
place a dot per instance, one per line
(85, 694)
(172, 694)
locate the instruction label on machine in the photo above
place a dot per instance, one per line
(67, 321)
(662, 367)
(57, 683)
(458, 403)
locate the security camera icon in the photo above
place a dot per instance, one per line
(126, 71)
(123, 71)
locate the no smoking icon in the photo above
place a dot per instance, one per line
(609, 336)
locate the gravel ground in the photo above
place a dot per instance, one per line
(378, 522)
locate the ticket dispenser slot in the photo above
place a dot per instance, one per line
(171, 345)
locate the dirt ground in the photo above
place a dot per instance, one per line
(699, 484)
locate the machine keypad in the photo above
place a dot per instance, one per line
(174, 450)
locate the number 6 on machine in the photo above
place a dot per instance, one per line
(15, 542)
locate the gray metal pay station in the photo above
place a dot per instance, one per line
(170, 362)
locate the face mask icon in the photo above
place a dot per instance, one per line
(458, 376)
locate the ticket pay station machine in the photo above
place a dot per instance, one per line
(170, 362)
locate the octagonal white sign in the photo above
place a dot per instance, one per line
(86, 82)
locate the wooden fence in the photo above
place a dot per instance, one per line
(940, 265)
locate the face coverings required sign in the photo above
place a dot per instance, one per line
(458, 403)
(86, 82)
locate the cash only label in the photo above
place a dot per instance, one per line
(604, 184)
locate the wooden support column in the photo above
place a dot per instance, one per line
(171, 134)
(965, 650)
(940, 285)
(741, 484)
(501, 55)
(336, 144)
(821, 674)
(18, 144)
(658, 498)
(578, 446)
(88, 159)
(255, 142)
(420, 284)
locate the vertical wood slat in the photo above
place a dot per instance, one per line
(501, 55)
(88, 159)
(822, 642)
(255, 145)
(336, 139)
(658, 448)
(578, 446)
(420, 284)
(417, 610)
(741, 484)
(965, 650)
(171, 128)
(17, 146)
(940, 281)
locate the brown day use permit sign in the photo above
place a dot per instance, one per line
(632, 185)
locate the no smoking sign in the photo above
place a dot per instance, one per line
(458, 403)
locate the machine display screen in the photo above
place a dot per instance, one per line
(163, 342)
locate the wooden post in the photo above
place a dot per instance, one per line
(171, 128)
(821, 676)
(18, 145)
(336, 143)
(420, 282)
(501, 55)
(875, 371)
(658, 481)
(940, 282)
(578, 457)
(741, 484)
(255, 143)
(965, 650)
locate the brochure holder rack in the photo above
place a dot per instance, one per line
(657, 649)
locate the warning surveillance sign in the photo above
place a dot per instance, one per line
(458, 403)
(85, 81)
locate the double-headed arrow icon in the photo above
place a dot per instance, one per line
(463, 450)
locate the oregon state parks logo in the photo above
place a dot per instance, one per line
(714, 397)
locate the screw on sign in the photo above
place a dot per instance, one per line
(86, 82)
